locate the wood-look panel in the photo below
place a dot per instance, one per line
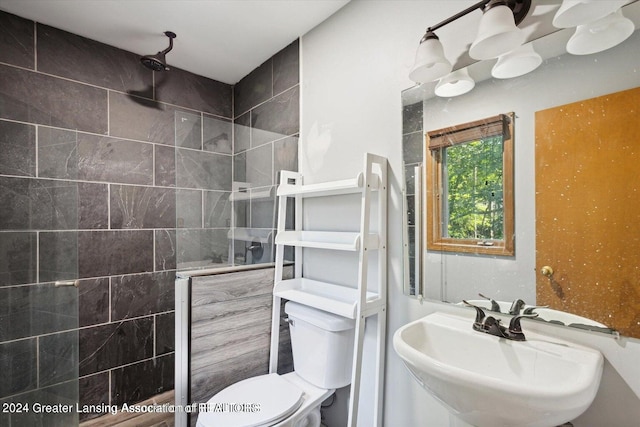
(231, 330)
(588, 209)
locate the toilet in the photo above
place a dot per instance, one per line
(322, 345)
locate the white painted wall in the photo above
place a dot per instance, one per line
(354, 67)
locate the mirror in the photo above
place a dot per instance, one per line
(561, 79)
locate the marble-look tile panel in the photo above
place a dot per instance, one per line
(217, 209)
(254, 166)
(242, 133)
(286, 67)
(77, 58)
(18, 148)
(165, 244)
(165, 333)
(38, 204)
(57, 153)
(138, 295)
(143, 380)
(285, 156)
(41, 99)
(263, 208)
(209, 171)
(57, 358)
(188, 130)
(142, 207)
(410, 179)
(202, 248)
(115, 344)
(241, 212)
(93, 390)
(189, 208)
(18, 366)
(217, 135)
(254, 89)
(93, 206)
(412, 118)
(165, 166)
(412, 147)
(141, 119)
(189, 90)
(276, 118)
(16, 40)
(60, 394)
(18, 258)
(93, 301)
(58, 255)
(108, 253)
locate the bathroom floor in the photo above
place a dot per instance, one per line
(138, 420)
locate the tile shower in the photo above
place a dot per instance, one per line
(117, 177)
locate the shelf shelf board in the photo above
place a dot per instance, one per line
(336, 299)
(332, 188)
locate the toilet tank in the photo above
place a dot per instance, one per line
(322, 345)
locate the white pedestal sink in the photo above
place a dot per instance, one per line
(488, 381)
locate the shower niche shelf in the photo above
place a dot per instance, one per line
(364, 300)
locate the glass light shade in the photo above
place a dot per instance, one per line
(457, 83)
(430, 63)
(578, 12)
(516, 63)
(600, 35)
(497, 34)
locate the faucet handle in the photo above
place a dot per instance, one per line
(514, 324)
(529, 310)
(494, 305)
(479, 312)
(516, 306)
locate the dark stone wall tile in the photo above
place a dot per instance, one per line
(141, 119)
(60, 394)
(38, 204)
(142, 380)
(165, 249)
(278, 117)
(196, 169)
(108, 253)
(142, 207)
(412, 147)
(258, 167)
(114, 160)
(58, 255)
(286, 68)
(263, 210)
(16, 40)
(57, 358)
(255, 88)
(242, 133)
(165, 166)
(57, 153)
(188, 130)
(202, 247)
(36, 309)
(115, 344)
(93, 301)
(68, 55)
(412, 118)
(18, 148)
(138, 295)
(217, 135)
(18, 258)
(93, 390)
(217, 209)
(18, 367)
(165, 333)
(189, 208)
(285, 156)
(93, 206)
(41, 99)
(189, 90)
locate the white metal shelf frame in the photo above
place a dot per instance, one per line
(359, 303)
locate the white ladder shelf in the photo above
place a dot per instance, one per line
(368, 297)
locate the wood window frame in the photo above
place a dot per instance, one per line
(436, 142)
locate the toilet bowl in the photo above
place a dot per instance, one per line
(322, 342)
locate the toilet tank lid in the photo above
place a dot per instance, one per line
(321, 319)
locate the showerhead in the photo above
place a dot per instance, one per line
(158, 62)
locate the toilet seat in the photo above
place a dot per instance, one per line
(265, 400)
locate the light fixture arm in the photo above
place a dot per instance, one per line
(520, 8)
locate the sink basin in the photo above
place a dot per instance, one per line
(489, 381)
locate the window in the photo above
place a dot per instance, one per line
(470, 187)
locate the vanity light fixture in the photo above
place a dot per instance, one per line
(600, 35)
(498, 33)
(578, 12)
(516, 63)
(454, 84)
